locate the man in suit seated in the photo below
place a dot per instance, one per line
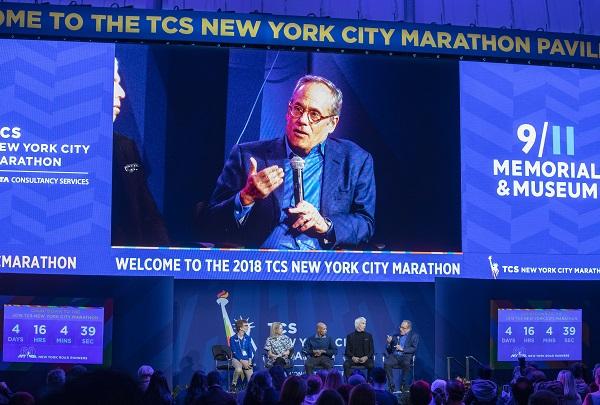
(253, 203)
(401, 347)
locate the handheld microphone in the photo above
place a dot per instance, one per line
(297, 164)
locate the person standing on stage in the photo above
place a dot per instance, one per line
(243, 352)
(359, 348)
(278, 347)
(319, 350)
(401, 347)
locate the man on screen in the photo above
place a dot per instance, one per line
(253, 203)
(400, 348)
(135, 217)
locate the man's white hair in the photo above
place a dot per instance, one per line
(359, 320)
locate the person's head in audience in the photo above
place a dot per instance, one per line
(313, 385)
(420, 393)
(213, 378)
(356, 379)
(55, 382)
(56, 378)
(438, 384)
(521, 391)
(595, 380)
(344, 391)
(455, 392)
(438, 391)
(543, 397)
(198, 384)
(259, 384)
(362, 394)
(158, 388)
(595, 369)
(330, 397)
(322, 373)
(75, 372)
(483, 388)
(144, 373)
(277, 376)
(379, 378)
(21, 398)
(293, 391)
(536, 376)
(4, 392)
(597, 375)
(101, 387)
(568, 382)
(554, 386)
(334, 380)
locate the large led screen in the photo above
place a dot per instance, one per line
(137, 159)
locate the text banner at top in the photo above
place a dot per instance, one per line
(227, 28)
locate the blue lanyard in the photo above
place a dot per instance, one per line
(239, 342)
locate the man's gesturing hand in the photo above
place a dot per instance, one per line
(260, 185)
(308, 218)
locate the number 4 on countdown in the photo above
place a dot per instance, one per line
(508, 331)
(64, 330)
(16, 329)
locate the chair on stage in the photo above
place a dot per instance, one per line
(287, 369)
(397, 367)
(317, 368)
(362, 369)
(223, 356)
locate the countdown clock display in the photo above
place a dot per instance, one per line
(46, 334)
(539, 334)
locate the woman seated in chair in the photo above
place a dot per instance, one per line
(278, 347)
(243, 352)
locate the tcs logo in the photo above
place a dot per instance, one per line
(8, 132)
(291, 327)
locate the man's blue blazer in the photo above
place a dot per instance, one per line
(347, 194)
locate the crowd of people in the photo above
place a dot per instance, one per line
(272, 386)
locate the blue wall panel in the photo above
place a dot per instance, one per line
(564, 16)
(460, 12)
(429, 11)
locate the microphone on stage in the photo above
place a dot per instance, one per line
(297, 164)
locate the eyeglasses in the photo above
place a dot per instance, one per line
(314, 117)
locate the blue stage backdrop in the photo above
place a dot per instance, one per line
(199, 319)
